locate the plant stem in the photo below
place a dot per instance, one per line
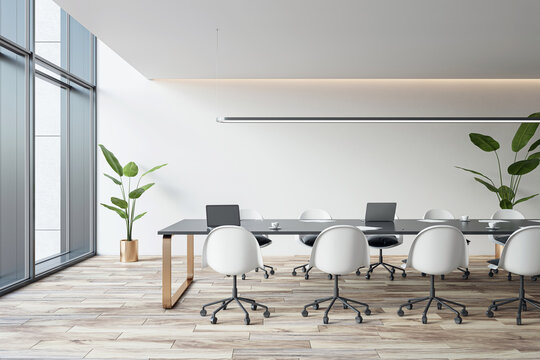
(499, 162)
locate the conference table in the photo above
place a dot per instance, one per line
(192, 227)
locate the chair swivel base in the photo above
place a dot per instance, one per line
(306, 269)
(347, 303)
(440, 303)
(523, 301)
(272, 272)
(225, 302)
(390, 268)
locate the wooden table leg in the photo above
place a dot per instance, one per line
(169, 300)
(498, 250)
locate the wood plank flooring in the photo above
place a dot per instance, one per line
(104, 309)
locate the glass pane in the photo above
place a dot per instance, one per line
(48, 165)
(50, 32)
(13, 20)
(81, 174)
(80, 51)
(13, 181)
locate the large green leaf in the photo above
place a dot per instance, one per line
(523, 167)
(120, 212)
(135, 194)
(488, 185)
(536, 155)
(474, 172)
(523, 134)
(112, 160)
(506, 193)
(115, 180)
(535, 145)
(139, 216)
(119, 202)
(153, 169)
(505, 204)
(524, 199)
(484, 142)
(535, 115)
(131, 169)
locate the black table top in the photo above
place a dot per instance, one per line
(401, 227)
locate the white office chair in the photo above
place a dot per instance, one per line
(520, 256)
(437, 250)
(339, 250)
(503, 214)
(232, 250)
(309, 240)
(442, 214)
(382, 242)
(263, 240)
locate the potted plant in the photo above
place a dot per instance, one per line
(507, 194)
(125, 206)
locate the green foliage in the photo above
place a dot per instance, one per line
(506, 194)
(125, 206)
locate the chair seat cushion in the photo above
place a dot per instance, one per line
(382, 241)
(501, 238)
(308, 240)
(263, 240)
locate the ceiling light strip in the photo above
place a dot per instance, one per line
(298, 120)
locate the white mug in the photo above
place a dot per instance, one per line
(275, 225)
(465, 218)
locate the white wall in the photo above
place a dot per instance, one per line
(281, 169)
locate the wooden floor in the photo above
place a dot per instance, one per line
(104, 309)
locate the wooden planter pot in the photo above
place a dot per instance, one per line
(129, 250)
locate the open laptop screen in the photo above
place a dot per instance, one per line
(379, 212)
(219, 215)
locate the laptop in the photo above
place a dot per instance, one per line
(380, 212)
(219, 215)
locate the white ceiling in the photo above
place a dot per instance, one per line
(319, 38)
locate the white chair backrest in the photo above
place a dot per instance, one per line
(315, 214)
(521, 254)
(231, 250)
(250, 214)
(438, 214)
(340, 250)
(505, 214)
(438, 250)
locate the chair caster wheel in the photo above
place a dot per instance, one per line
(400, 312)
(294, 273)
(304, 269)
(256, 269)
(253, 307)
(304, 313)
(325, 319)
(358, 272)
(246, 320)
(266, 314)
(464, 312)
(458, 320)
(439, 306)
(203, 312)
(266, 275)
(367, 312)
(243, 276)
(496, 271)
(494, 308)
(272, 272)
(404, 275)
(509, 277)
(224, 308)
(306, 276)
(442, 277)
(330, 277)
(424, 274)
(465, 277)
(358, 319)
(391, 277)
(368, 276)
(518, 321)
(393, 271)
(345, 306)
(316, 307)
(490, 274)
(409, 307)
(424, 319)
(213, 320)
(489, 314)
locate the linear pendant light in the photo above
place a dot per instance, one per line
(299, 120)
